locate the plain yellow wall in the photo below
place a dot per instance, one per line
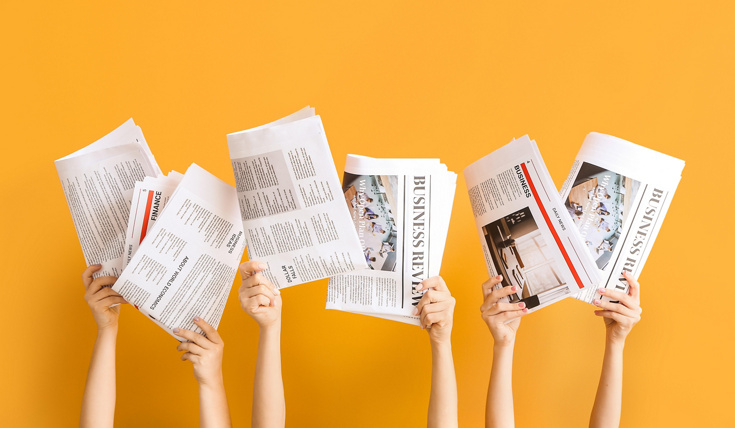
(453, 80)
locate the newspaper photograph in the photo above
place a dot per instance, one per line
(98, 183)
(400, 209)
(617, 194)
(188, 260)
(288, 192)
(525, 235)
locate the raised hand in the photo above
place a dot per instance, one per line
(496, 313)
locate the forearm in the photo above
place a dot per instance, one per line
(98, 402)
(443, 399)
(213, 409)
(499, 407)
(606, 411)
(269, 404)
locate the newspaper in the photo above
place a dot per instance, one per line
(400, 209)
(294, 217)
(187, 262)
(617, 194)
(149, 198)
(526, 237)
(98, 183)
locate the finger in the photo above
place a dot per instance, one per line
(431, 296)
(635, 287)
(621, 319)
(103, 293)
(429, 319)
(251, 267)
(497, 294)
(618, 296)
(263, 289)
(87, 274)
(193, 337)
(435, 282)
(509, 315)
(191, 357)
(256, 302)
(437, 307)
(189, 347)
(614, 307)
(211, 332)
(99, 283)
(489, 285)
(112, 300)
(500, 307)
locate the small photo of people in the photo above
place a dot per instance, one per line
(371, 199)
(520, 253)
(599, 202)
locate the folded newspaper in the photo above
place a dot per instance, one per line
(98, 183)
(400, 209)
(294, 218)
(188, 260)
(617, 194)
(525, 234)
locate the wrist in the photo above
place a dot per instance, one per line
(504, 346)
(214, 382)
(444, 344)
(271, 329)
(614, 344)
(107, 330)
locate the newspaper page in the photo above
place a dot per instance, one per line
(149, 198)
(524, 233)
(617, 194)
(294, 217)
(98, 183)
(400, 209)
(186, 264)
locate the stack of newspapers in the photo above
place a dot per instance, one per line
(554, 246)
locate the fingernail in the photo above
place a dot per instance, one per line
(521, 305)
(197, 319)
(276, 292)
(596, 302)
(499, 277)
(176, 330)
(415, 311)
(525, 310)
(601, 291)
(262, 266)
(513, 288)
(420, 286)
(597, 312)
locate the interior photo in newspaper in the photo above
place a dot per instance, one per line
(188, 260)
(525, 235)
(98, 183)
(617, 194)
(292, 211)
(400, 209)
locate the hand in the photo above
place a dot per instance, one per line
(259, 298)
(496, 313)
(100, 298)
(436, 309)
(620, 317)
(205, 353)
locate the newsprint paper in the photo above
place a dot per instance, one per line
(292, 210)
(98, 183)
(400, 209)
(525, 234)
(188, 260)
(617, 194)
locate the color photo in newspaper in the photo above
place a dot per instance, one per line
(617, 194)
(525, 235)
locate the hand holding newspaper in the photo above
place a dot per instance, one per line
(525, 235)
(98, 183)
(617, 194)
(400, 209)
(186, 264)
(294, 217)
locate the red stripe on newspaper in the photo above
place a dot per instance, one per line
(147, 215)
(551, 227)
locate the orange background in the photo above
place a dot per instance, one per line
(390, 79)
